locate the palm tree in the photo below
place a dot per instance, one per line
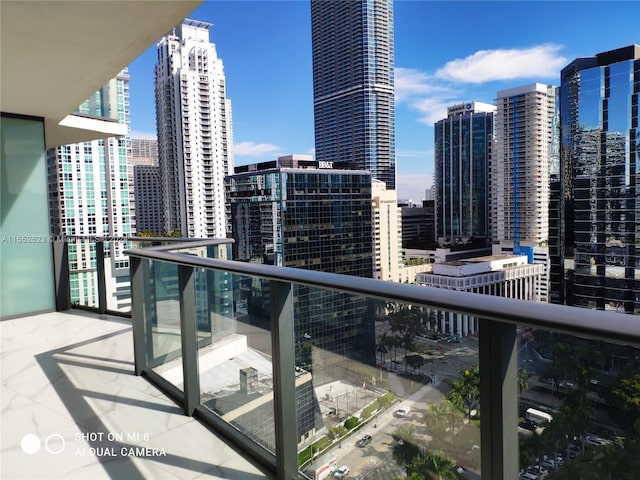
(523, 383)
(555, 434)
(466, 391)
(577, 469)
(394, 342)
(433, 466)
(531, 448)
(407, 446)
(441, 417)
(382, 347)
(577, 412)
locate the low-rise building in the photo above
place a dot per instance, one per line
(508, 276)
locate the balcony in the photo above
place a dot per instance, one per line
(235, 370)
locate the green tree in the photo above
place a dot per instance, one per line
(394, 342)
(351, 423)
(432, 466)
(531, 447)
(382, 347)
(414, 361)
(624, 397)
(577, 469)
(577, 414)
(554, 436)
(465, 392)
(408, 322)
(406, 446)
(442, 416)
(523, 380)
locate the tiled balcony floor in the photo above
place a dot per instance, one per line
(65, 375)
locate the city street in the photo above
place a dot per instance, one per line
(375, 461)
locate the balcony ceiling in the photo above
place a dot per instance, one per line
(54, 55)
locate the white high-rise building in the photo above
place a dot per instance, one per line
(387, 232)
(519, 170)
(89, 196)
(519, 173)
(195, 141)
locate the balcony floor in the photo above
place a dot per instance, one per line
(67, 376)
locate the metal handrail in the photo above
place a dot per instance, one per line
(596, 324)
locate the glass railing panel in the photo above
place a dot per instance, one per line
(381, 377)
(116, 276)
(162, 316)
(83, 272)
(578, 406)
(235, 358)
(85, 265)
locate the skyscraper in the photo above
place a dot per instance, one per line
(195, 142)
(462, 151)
(387, 232)
(143, 161)
(353, 71)
(291, 213)
(596, 228)
(89, 196)
(519, 171)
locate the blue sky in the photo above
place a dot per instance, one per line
(445, 52)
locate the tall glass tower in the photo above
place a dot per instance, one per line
(462, 150)
(596, 229)
(353, 63)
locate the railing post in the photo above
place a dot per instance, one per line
(284, 384)
(189, 338)
(61, 268)
(102, 283)
(139, 284)
(498, 400)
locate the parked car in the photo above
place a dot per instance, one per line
(402, 412)
(549, 463)
(364, 441)
(596, 441)
(574, 451)
(525, 475)
(341, 472)
(528, 425)
(540, 471)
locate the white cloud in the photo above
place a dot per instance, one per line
(410, 82)
(424, 93)
(251, 149)
(431, 94)
(432, 109)
(143, 135)
(541, 61)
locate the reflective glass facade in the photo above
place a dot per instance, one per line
(353, 61)
(315, 220)
(462, 151)
(596, 184)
